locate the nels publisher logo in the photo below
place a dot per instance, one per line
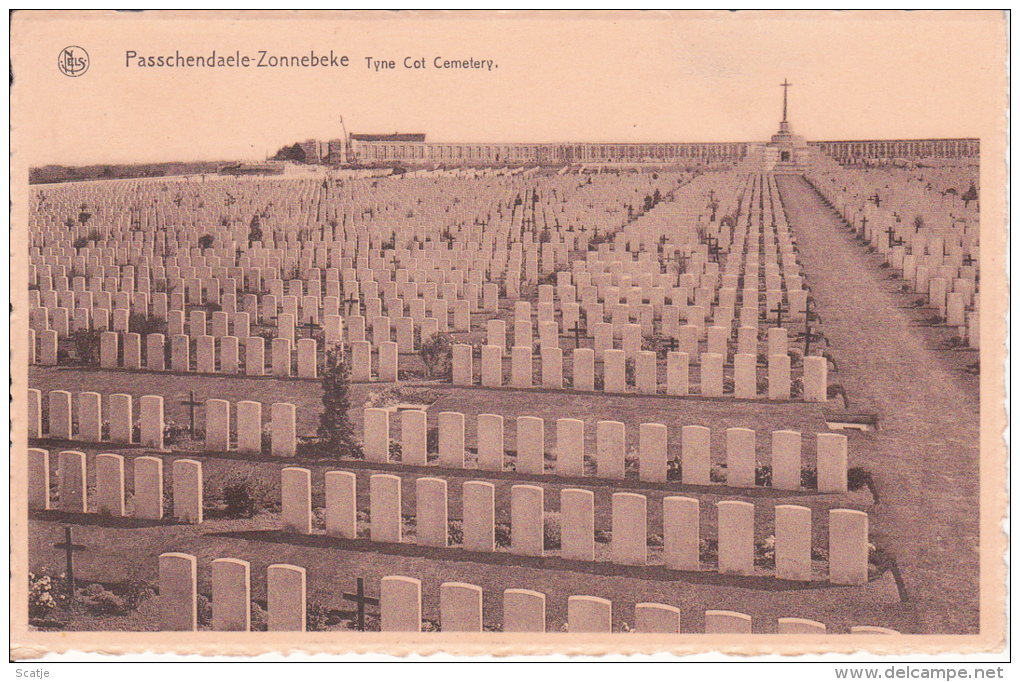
(73, 61)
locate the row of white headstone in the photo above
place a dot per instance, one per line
(611, 449)
(72, 485)
(400, 605)
(614, 372)
(681, 525)
(939, 263)
(212, 355)
(218, 437)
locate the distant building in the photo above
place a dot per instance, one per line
(311, 150)
(849, 151)
(336, 153)
(413, 149)
(785, 152)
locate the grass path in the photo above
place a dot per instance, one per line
(925, 457)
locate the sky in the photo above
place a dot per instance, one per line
(685, 77)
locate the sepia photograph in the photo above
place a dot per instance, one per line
(508, 333)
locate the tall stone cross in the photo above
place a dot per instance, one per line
(69, 548)
(785, 86)
(361, 600)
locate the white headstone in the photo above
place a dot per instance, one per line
(178, 592)
(286, 598)
(400, 604)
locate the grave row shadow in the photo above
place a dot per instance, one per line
(601, 568)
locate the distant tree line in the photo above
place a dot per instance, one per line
(54, 173)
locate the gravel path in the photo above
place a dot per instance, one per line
(925, 457)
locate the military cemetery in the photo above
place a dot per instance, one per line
(595, 388)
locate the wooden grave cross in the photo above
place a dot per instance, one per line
(807, 332)
(713, 248)
(576, 331)
(680, 260)
(968, 260)
(311, 326)
(69, 549)
(779, 310)
(893, 240)
(350, 301)
(361, 600)
(191, 404)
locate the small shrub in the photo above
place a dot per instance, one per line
(856, 478)
(708, 550)
(502, 533)
(134, 592)
(763, 475)
(765, 552)
(603, 537)
(317, 617)
(396, 452)
(654, 540)
(455, 533)
(174, 433)
(86, 345)
(203, 609)
(717, 474)
(147, 324)
(259, 618)
(809, 478)
(100, 601)
(437, 355)
(246, 497)
(41, 595)
(551, 530)
(674, 470)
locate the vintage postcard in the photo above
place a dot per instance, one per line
(508, 333)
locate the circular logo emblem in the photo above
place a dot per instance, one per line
(73, 61)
